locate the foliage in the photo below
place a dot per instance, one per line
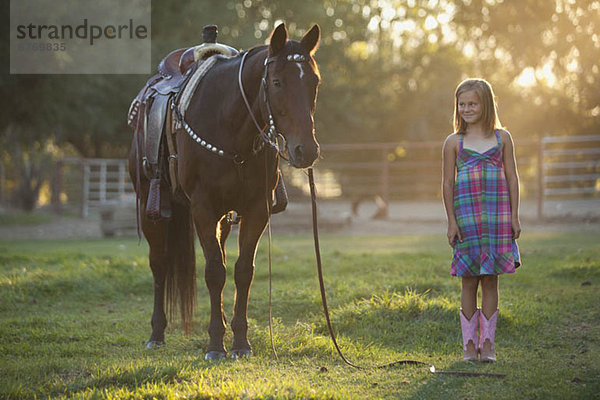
(551, 48)
(73, 323)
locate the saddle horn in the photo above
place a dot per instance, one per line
(208, 48)
(209, 34)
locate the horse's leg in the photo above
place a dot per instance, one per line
(155, 235)
(159, 320)
(251, 228)
(214, 276)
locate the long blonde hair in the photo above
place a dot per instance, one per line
(488, 102)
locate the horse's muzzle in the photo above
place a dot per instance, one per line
(304, 156)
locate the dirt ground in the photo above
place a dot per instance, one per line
(412, 218)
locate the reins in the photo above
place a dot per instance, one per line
(432, 368)
(268, 206)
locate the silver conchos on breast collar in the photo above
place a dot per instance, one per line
(200, 141)
(212, 148)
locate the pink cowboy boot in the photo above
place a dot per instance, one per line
(488, 332)
(469, 334)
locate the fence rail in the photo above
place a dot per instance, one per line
(92, 181)
(553, 167)
(571, 166)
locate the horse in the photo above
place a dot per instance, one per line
(248, 111)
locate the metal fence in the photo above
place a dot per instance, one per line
(554, 167)
(571, 166)
(87, 183)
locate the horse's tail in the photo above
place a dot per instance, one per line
(181, 274)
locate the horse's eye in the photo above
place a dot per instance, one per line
(276, 82)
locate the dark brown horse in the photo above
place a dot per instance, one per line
(238, 172)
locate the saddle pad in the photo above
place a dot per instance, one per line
(192, 84)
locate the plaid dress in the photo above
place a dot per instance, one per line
(482, 209)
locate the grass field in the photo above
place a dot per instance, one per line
(74, 317)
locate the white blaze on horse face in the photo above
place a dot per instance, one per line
(301, 70)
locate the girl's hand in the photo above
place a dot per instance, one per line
(516, 228)
(453, 234)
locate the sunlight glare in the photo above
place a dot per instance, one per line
(444, 18)
(546, 75)
(388, 13)
(373, 25)
(527, 77)
(431, 23)
(573, 65)
(469, 50)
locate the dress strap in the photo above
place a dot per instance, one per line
(461, 137)
(497, 132)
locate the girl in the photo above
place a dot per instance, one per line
(481, 197)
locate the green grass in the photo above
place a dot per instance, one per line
(15, 218)
(74, 317)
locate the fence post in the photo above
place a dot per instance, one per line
(122, 178)
(385, 185)
(2, 182)
(57, 186)
(85, 188)
(540, 174)
(102, 182)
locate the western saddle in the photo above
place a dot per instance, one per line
(151, 115)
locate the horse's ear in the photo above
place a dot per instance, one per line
(310, 40)
(278, 39)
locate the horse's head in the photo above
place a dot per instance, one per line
(292, 79)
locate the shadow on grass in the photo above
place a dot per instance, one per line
(405, 322)
(578, 272)
(442, 386)
(131, 379)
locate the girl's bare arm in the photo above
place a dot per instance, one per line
(512, 179)
(448, 176)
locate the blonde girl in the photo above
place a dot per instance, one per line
(480, 187)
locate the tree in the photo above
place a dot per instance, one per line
(547, 53)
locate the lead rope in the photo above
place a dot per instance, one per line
(267, 202)
(270, 293)
(326, 309)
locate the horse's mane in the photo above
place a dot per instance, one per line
(255, 49)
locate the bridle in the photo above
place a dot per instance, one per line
(269, 134)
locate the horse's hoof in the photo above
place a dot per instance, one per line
(215, 356)
(237, 354)
(153, 345)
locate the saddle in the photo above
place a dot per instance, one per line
(148, 110)
(151, 117)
